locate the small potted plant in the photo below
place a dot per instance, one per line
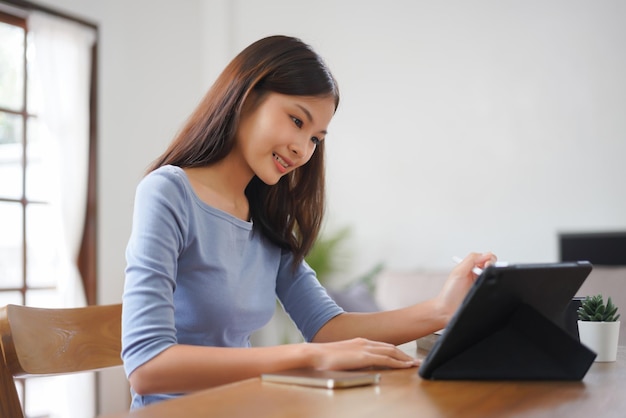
(598, 326)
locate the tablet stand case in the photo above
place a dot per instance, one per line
(528, 347)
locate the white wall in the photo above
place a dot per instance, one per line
(482, 125)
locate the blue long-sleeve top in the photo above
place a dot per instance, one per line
(197, 275)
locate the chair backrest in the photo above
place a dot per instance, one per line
(41, 341)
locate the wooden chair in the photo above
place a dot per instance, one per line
(9, 401)
(38, 341)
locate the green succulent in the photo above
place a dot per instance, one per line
(594, 309)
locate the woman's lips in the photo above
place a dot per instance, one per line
(281, 163)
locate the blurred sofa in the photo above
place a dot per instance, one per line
(396, 289)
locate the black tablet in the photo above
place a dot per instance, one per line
(510, 326)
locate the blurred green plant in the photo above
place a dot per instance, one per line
(329, 255)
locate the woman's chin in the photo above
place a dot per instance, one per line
(270, 179)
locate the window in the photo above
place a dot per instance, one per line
(13, 128)
(32, 258)
(27, 241)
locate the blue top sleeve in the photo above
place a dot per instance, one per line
(197, 275)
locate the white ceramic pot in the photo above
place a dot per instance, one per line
(601, 337)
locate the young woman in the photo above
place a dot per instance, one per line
(221, 225)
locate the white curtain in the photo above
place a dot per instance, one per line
(61, 72)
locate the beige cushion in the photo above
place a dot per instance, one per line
(397, 289)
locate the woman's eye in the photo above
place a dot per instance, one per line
(297, 121)
(316, 140)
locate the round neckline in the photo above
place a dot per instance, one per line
(212, 209)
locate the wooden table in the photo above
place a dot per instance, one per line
(402, 393)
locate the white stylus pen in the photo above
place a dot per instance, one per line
(476, 270)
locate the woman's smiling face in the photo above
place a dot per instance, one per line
(279, 133)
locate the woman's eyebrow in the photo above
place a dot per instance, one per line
(306, 112)
(308, 115)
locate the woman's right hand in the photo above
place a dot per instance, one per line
(460, 281)
(358, 353)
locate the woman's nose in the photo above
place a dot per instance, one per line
(301, 148)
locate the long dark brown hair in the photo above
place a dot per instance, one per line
(289, 213)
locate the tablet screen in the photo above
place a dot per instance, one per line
(497, 295)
